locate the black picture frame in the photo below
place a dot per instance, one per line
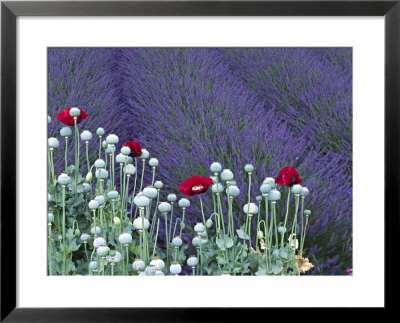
(10, 10)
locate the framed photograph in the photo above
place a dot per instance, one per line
(245, 151)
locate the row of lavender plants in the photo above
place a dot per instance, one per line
(269, 107)
(121, 228)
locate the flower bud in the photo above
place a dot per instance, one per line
(171, 197)
(117, 220)
(157, 263)
(209, 223)
(281, 230)
(150, 270)
(100, 199)
(104, 144)
(89, 177)
(260, 234)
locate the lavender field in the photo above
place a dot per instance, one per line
(189, 107)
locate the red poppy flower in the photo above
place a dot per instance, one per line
(135, 148)
(288, 176)
(65, 117)
(195, 185)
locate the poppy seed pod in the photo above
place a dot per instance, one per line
(233, 190)
(150, 192)
(150, 270)
(164, 207)
(281, 230)
(307, 212)
(74, 112)
(153, 162)
(158, 185)
(120, 158)
(171, 197)
(125, 238)
(177, 242)
(304, 191)
(215, 167)
(199, 227)
(138, 223)
(102, 251)
(100, 199)
(296, 189)
(53, 143)
(214, 179)
(86, 135)
(100, 132)
(145, 154)
(102, 173)
(66, 132)
(100, 163)
(50, 217)
(49, 197)
(63, 179)
(217, 188)
(265, 188)
(130, 169)
(125, 150)
(130, 160)
(196, 241)
(175, 268)
(258, 198)
(274, 195)
(110, 149)
(93, 265)
(86, 187)
(94, 205)
(141, 200)
(112, 139)
(270, 181)
(184, 202)
(48, 119)
(157, 263)
(114, 258)
(250, 208)
(112, 195)
(138, 265)
(85, 237)
(98, 230)
(192, 261)
(226, 175)
(159, 272)
(98, 242)
(248, 168)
